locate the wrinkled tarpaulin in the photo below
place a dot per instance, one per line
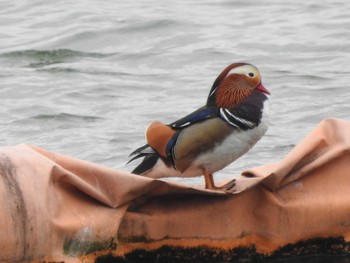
(54, 207)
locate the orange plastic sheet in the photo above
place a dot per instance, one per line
(57, 208)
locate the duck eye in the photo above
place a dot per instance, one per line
(251, 74)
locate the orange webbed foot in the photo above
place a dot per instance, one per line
(209, 183)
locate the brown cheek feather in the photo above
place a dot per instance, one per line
(232, 91)
(158, 135)
(252, 82)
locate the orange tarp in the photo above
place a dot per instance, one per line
(54, 207)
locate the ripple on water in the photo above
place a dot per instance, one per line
(40, 58)
(87, 79)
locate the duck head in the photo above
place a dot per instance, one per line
(235, 83)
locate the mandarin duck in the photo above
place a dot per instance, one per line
(233, 119)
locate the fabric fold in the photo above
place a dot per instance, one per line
(55, 207)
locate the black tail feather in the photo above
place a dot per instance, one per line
(143, 149)
(150, 159)
(148, 162)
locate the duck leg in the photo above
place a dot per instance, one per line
(209, 183)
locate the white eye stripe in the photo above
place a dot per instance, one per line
(245, 69)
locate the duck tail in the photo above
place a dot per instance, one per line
(150, 158)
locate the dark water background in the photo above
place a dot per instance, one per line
(85, 78)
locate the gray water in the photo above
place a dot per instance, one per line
(85, 78)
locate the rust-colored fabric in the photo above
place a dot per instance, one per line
(54, 207)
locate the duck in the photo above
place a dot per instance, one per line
(233, 120)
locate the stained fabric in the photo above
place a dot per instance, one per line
(55, 207)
